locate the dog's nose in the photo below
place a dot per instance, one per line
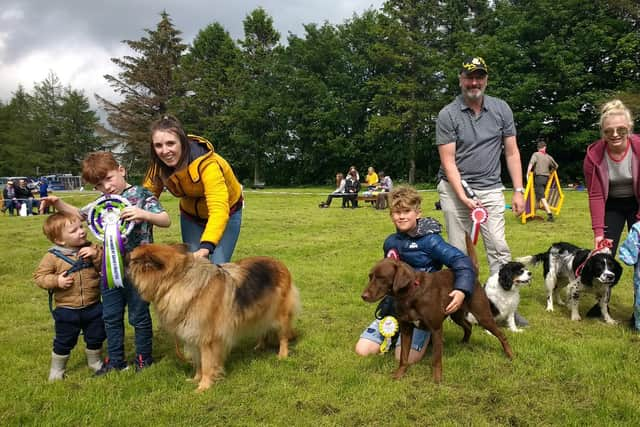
(608, 277)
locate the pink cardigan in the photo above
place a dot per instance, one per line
(596, 175)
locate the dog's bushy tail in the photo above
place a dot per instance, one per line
(532, 259)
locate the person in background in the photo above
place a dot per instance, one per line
(9, 197)
(385, 185)
(338, 192)
(25, 195)
(542, 165)
(351, 188)
(43, 189)
(371, 179)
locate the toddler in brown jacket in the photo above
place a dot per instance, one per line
(70, 271)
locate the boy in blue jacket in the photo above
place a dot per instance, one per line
(417, 242)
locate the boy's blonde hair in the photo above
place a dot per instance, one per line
(55, 223)
(96, 166)
(405, 197)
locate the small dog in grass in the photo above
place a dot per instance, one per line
(209, 307)
(503, 291)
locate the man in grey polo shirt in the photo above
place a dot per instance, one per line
(471, 133)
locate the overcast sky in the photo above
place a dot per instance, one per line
(77, 38)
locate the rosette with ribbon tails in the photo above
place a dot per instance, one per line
(388, 328)
(478, 216)
(105, 223)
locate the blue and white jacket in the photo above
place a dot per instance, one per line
(425, 250)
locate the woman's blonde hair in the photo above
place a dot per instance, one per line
(615, 108)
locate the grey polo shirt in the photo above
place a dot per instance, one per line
(479, 139)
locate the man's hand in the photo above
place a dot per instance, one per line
(456, 301)
(517, 203)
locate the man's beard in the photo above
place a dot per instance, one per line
(474, 93)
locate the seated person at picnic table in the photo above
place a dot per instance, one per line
(338, 192)
(417, 242)
(9, 197)
(25, 195)
(351, 188)
(371, 179)
(385, 185)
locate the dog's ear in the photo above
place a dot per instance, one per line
(587, 274)
(505, 277)
(404, 276)
(148, 258)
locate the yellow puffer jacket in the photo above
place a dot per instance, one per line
(207, 188)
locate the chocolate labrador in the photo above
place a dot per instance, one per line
(423, 297)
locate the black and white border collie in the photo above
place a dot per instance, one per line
(503, 291)
(580, 270)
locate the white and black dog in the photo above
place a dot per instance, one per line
(503, 291)
(580, 270)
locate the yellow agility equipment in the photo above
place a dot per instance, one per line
(552, 192)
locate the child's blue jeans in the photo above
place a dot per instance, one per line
(114, 301)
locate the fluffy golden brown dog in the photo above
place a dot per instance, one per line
(423, 297)
(210, 306)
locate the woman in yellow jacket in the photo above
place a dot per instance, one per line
(210, 194)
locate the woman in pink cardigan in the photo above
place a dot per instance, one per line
(612, 175)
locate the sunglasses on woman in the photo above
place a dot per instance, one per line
(621, 131)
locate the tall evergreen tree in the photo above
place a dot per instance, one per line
(205, 85)
(409, 81)
(254, 108)
(145, 83)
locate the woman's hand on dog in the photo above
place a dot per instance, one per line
(457, 297)
(202, 252)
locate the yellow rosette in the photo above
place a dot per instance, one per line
(388, 326)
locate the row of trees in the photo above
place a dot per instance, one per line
(367, 91)
(48, 130)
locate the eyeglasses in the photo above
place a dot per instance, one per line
(621, 131)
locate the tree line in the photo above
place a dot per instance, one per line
(363, 92)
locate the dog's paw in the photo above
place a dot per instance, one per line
(611, 321)
(549, 309)
(399, 373)
(576, 317)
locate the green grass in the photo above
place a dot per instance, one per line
(564, 372)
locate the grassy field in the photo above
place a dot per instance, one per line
(563, 373)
